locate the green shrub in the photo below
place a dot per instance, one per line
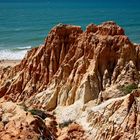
(128, 88)
(65, 123)
(39, 113)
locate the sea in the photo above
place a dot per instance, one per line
(26, 23)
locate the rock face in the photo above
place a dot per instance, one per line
(16, 123)
(76, 66)
(73, 65)
(116, 119)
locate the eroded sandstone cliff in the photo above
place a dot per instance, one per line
(76, 70)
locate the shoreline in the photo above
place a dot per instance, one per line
(7, 63)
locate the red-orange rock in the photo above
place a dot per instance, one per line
(16, 123)
(80, 67)
(71, 60)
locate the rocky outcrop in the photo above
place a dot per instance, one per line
(116, 119)
(138, 56)
(37, 69)
(73, 65)
(76, 71)
(73, 131)
(18, 123)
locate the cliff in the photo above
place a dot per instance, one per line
(77, 71)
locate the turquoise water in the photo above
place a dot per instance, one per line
(26, 24)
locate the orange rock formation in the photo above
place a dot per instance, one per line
(78, 67)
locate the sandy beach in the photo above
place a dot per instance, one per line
(11, 63)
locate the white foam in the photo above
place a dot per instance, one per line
(12, 55)
(23, 48)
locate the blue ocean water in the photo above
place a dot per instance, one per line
(25, 24)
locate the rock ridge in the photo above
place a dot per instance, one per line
(73, 65)
(91, 77)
